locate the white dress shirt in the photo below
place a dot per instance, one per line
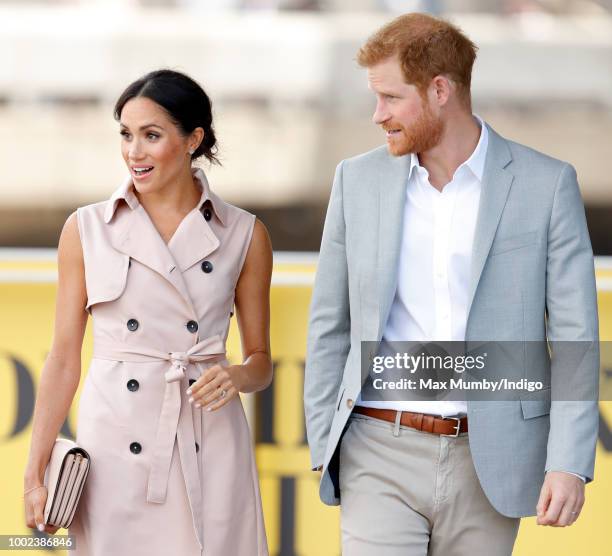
(431, 300)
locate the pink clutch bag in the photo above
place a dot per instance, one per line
(64, 478)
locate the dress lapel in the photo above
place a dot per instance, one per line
(194, 239)
(132, 232)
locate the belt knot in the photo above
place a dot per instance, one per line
(179, 360)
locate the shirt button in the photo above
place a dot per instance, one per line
(207, 214)
(132, 385)
(207, 267)
(192, 326)
(132, 325)
(135, 448)
(349, 403)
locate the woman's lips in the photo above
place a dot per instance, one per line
(142, 172)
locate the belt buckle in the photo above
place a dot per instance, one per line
(457, 426)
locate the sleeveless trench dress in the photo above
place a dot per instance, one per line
(166, 477)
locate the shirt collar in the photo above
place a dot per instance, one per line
(126, 192)
(476, 160)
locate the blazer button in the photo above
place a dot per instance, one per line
(135, 448)
(132, 325)
(132, 385)
(197, 447)
(207, 267)
(191, 381)
(207, 214)
(192, 326)
(349, 403)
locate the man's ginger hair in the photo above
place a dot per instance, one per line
(425, 46)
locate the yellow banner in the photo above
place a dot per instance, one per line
(297, 523)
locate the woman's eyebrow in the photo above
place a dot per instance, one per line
(142, 127)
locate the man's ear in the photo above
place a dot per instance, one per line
(442, 88)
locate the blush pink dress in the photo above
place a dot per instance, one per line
(166, 477)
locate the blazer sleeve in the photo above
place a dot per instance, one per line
(573, 333)
(329, 325)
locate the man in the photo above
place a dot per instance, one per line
(451, 232)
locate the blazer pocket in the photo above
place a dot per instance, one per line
(512, 243)
(536, 404)
(107, 282)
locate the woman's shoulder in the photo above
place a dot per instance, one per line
(231, 215)
(92, 210)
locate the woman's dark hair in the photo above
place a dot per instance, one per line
(183, 99)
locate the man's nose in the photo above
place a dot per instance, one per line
(381, 114)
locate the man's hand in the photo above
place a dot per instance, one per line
(561, 499)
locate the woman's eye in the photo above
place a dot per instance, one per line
(124, 133)
(152, 136)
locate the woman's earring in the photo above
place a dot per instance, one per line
(191, 151)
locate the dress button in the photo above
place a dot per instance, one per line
(207, 214)
(349, 403)
(132, 385)
(135, 448)
(191, 381)
(197, 447)
(132, 325)
(207, 267)
(192, 326)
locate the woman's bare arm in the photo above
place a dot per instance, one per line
(253, 312)
(62, 369)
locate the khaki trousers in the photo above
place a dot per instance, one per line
(405, 492)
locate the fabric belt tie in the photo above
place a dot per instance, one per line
(175, 420)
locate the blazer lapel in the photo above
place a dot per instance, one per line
(496, 183)
(392, 184)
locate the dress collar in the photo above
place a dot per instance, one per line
(126, 192)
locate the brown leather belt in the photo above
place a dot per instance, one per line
(446, 426)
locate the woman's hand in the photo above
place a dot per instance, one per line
(35, 501)
(216, 387)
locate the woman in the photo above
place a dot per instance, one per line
(159, 267)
